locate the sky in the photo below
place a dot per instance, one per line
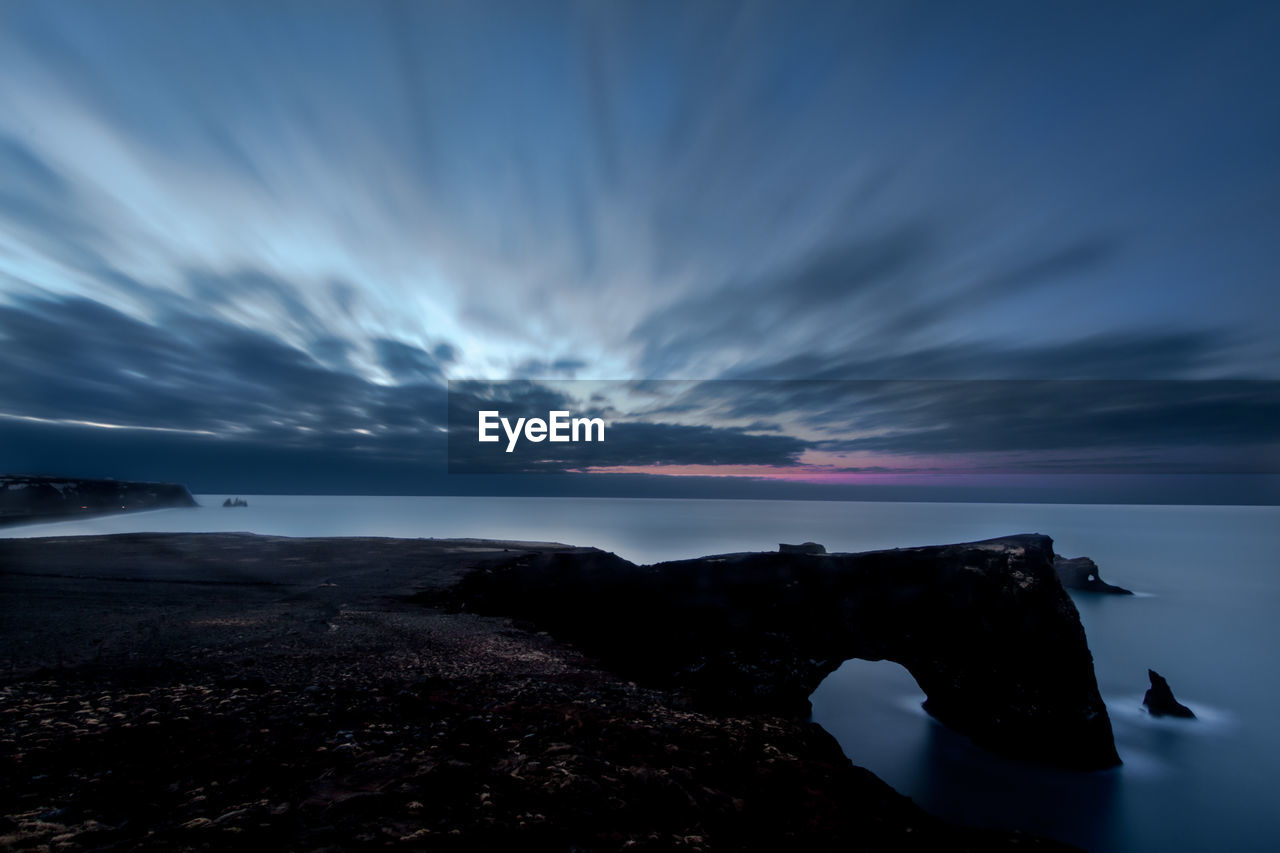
(247, 245)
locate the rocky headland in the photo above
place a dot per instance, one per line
(985, 628)
(25, 499)
(202, 691)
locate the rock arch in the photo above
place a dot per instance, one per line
(985, 628)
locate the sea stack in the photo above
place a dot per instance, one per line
(1160, 701)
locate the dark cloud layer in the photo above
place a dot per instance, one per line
(75, 359)
(218, 467)
(627, 442)
(1082, 426)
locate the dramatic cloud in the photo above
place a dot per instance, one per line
(74, 360)
(290, 225)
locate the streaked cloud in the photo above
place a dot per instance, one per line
(295, 222)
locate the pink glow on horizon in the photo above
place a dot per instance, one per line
(798, 473)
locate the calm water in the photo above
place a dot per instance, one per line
(1207, 620)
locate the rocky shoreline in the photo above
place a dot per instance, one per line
(203, 691)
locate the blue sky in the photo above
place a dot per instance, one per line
(276, 222)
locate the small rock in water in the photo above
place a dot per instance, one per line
(1159, 700)
(803, 548)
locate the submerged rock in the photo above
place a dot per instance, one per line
(803, 548)
(1082, 573)
(1159, 700)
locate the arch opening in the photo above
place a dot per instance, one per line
(874, 710)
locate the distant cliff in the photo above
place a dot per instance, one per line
(29, 498)
(986, 629)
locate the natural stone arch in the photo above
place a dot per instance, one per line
(985, 628)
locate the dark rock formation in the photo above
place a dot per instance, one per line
(229, 691)
(238, 502)
(1159, 700)
(27, 499)
(803, 548)
(1082, 573)
(985, 628)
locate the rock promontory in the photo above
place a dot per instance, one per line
(1082, 573)
(986, 629)
(25, 498)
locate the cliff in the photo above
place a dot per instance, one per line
(985, 628)
(28, 498)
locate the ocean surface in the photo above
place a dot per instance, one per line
(1207, 617)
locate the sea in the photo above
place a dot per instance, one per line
(1206, 616)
